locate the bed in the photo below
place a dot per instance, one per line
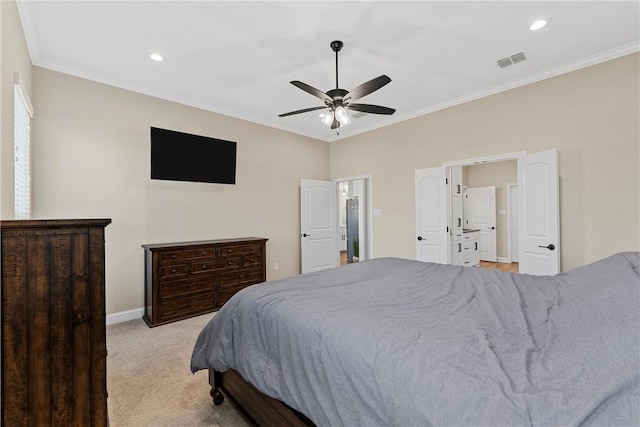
(392, 341)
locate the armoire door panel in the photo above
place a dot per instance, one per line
(14, 330)
(52, 318)
(61, 337)
(39, 321)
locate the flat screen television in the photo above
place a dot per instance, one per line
(178, 156)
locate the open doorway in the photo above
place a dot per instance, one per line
(353, 221)
(501, 176)
(437, 190)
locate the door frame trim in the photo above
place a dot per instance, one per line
(486, 159)
(369, 209)
(510, 219)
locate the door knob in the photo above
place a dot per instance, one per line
(306, 235)
(550, 246)
(419, 237)
(493, 228)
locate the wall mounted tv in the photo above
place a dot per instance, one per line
(178, 156)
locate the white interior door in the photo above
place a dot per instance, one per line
(538, 213)
(318, 225)
(432, 243)
(480, 214)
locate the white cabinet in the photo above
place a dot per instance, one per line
(466, 250)
(456, 181)
(342, 241)
(456, 218)
(457, 257)
(471, 249)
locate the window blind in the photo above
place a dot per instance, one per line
(22, 151)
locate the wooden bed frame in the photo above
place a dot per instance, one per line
(255, 407)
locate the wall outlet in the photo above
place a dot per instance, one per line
(276, 266)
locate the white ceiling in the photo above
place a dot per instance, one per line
(237, 57)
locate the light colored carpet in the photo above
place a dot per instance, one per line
(149, 380)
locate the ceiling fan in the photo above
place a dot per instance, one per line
(337, 100)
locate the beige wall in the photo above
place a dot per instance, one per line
(591, 116)
(497, 174)
(14, 58)
(91, 159)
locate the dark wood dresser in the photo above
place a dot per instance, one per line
(53, 323)
(191, 278)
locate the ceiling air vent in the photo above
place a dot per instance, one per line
(513, 59)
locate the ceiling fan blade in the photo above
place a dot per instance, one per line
(375, 109)
(306, 110)
(367, 88)
(312, 90)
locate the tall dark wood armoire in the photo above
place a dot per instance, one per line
(53, 323)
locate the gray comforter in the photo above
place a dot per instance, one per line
(405, 343)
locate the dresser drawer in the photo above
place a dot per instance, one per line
(180, 287)
(181, 256)
(226, 293)
(212, 266)
(239, 277)
(249, 248)
(184, 306)
(252, 261)
(173, 271)
(467, 260)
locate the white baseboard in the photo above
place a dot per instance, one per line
(125, 316)
(504, 260)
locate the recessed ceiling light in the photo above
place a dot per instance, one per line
(156, 57)
(541, 23)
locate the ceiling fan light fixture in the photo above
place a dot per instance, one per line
(342, 116)
(326, 117)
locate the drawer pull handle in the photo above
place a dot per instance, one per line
(253, 249)
(173, 256)
(228, 251)
(204, 266)
(204, 253)
(230, 263)
(174, 270)
(242, 276)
